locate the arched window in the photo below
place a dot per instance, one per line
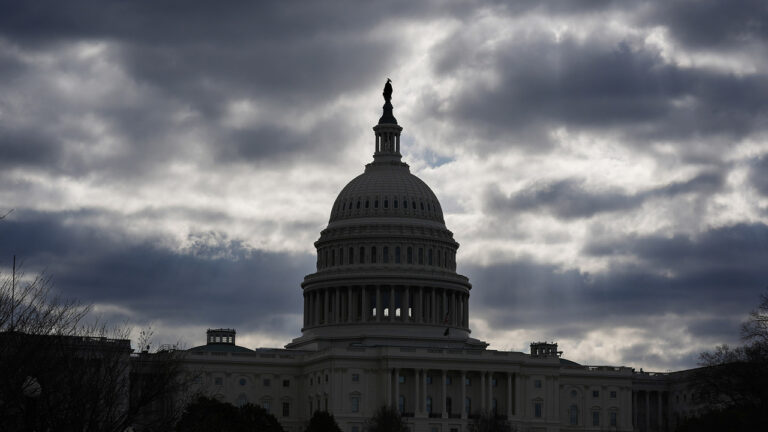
(241, 400)
(351, 255)
(401, 404)
(367, 203)
(333, 257)
(358, 204)
(421, 256)
(341, 256)
(350, 205)
(376, 204)
(409, 255)
(405, 203)
(362, 254)
(386, 203)
(394, 204)
(413, 204)
(397, 254)
(385, 255)
(429, 257)
(373, 254)
(421, 203)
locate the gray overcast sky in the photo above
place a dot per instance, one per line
(603, 164)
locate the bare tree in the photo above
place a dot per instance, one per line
(60, 372)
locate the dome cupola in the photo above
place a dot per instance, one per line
(386, 269)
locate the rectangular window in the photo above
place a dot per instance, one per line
(537, 383)
(494, 382)
(354, 404)
(286, 383)
(286, 409)
(401, 379)
(385, 255)
(218, 381)
(265, 405)
(355, 429)
(447, 380)
(266, 382)
(613, 419)
(355, 377)
(595, 418)
(429, 379)
(537, 409)
(468, 381)
(613, 394)
(595, 393)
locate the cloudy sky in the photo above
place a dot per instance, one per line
(603, 164)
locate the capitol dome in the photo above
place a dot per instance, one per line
(386, 269)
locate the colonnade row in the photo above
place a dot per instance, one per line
(453, 394)
(648, 410)
(386, 303)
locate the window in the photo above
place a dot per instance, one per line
(310, 406)
(574, 393)
(341, 256)
(376, 204)
(429, 405)
(421, 256)
(373, 254)
(362, 254)
(537, 409)
(429, 379)
(448, 380)
(401, 379)
(266, 405)
(286, 383)
(286, 409)
(310, 381)
(468, 406)
(495, 406)
(449, 405)
(494, 382)
(385, 254)
(573, 415)
(355, 429)
(613, 419)
(537, 383)
(326, 377)
(218, 381)
(595, 393)
(422, 206)
(429, 257)
(241, 400)
(468, 381)
(355, 377)
(405, 203)
(386, 203)
(613, 394)
(358, 204)
(351, 255)
(397, 255)
(595, 418)
(413, 204)
(267, 382)
(366, 203)
(409, 254)
(354, 404)
(243, 381)
(395, 203)
(401, 401)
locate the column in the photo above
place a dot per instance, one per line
(509, 395)
(392, 303)
(420, 311)
(388, 387)
(519, 408)
(378, 303)
(634, 410)
(490, 391)
(444, 396)
(397, 388)
(433, 307)
(647, 410)
(463, 401)
(466, 310)
(407, 304)
(556, 397)
(426, 393)
(350, 306)
(659, 421)
(483, 405)
(445, 306)
(337, 307)
(326, 302)
(416, 399)
(364, 304)
(317, 307)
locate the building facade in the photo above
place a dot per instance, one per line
(386, 322)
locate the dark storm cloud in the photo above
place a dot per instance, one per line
(712, 23)
(569, 199)
(207, 283)
(719, 275)
(594, 84)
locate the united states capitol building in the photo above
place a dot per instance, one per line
(386, 322)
